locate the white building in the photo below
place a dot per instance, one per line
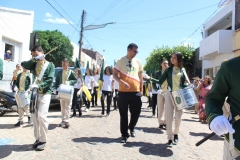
(15, 28)
(218, 40)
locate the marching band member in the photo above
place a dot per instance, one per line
(14, 78)
(96, 77)
(89, 82)
(77, 87)
(226, 84)
(24, 80)
(107, 89)
(44, 71)
(65, 76)
(176, 80)
(161, 96)
(116, 87)
(128, 72)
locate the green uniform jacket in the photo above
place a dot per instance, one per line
(27, 81)
(157, 75)
(71, 78)
(226, 84)
(1, 69)
(167, 75)
(46, 85)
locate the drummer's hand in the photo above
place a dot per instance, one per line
(220, 125)
(191, 85)
(126, 85)
(78, 93)
(55, 91)
(67, 83)
(146, 76)
(159, 91)
(92, 91)
(33, 86)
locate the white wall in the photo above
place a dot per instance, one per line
(15, 28)
(217, 61)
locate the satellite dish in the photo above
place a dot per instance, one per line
(223, 3)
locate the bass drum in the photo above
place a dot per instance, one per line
(22, 99)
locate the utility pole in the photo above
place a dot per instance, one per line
(81, 36)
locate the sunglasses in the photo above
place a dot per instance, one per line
(129, 64)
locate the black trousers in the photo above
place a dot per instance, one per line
(75, 102)
(115, 99)
(149, 101)
(154, 103)
(85, 100)
(94, 96)
(107, 94)
(13, 85)
(131, 100)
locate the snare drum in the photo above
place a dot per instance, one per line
(65, 92)
(184, 98)
(22, 99)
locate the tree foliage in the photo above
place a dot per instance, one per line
(49, 40)
(165, 52)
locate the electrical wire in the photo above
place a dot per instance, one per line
(200, 26)
(9, 28)
(156, 19)
(61, 15)
(64, 11)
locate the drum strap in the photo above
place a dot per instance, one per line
(44, 67)
(185, 74)
(231, 140)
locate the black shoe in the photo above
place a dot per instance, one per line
(29, 120)
(74, 115)
(93, 106)
(96, 104)
(175, 139)
(18, 124)
(161, 127)
(165, 126)
(41, 146)
(80, 114)
(132, 133)
(66, 125)
(35, 144)
(124, 139)
(170, 143)
(61, 124)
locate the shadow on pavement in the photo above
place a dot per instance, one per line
(190, 120)
(215, 138)
(6, 150)
(145, 148)
(8, 126)
(52, 126)
(149, 130)
(160, 150)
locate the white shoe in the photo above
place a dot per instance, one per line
(107, 115)
(87, 110)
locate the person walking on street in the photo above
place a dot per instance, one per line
(14, 78)
(89, 82)
(161, 96)
(128, 72)
(96, 77)
(44, 73)
(23, 82)
(107, 89)
(65, 76)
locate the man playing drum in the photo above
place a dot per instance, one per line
(226, 84)
(44, 73)
(24, 80)
(67, 77)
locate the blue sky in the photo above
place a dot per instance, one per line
(148, 23)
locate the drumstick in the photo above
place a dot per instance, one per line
(212, 134)
(51, 50)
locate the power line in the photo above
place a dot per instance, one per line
(200, 26)
(64, 11)
(61, 15)
(9, 27)
(169, 16)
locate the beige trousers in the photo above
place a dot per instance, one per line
(227, 155)
(21, 113)
(65, 109)
(40, 122)
(169, 109)
(161, 110)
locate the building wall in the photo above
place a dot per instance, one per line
(215, 62)
(15, 28)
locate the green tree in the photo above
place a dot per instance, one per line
(49, 40)
(165, 52)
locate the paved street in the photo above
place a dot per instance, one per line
(97, 138)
